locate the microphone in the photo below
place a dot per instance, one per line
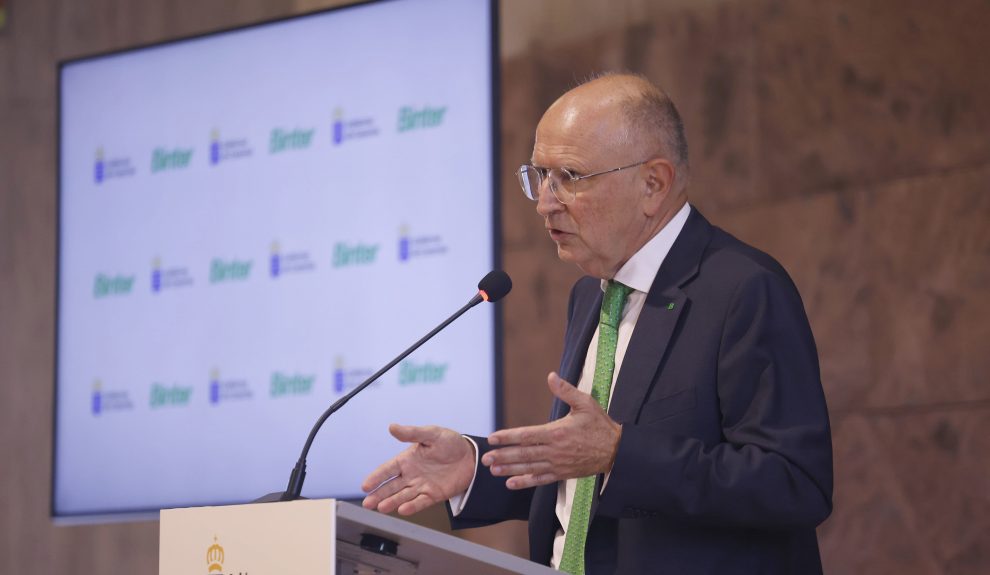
(493, 287)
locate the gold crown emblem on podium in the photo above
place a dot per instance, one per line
(214, 557)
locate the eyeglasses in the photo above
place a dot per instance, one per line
(562, 180)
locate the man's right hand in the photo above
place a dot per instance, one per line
(439, 465)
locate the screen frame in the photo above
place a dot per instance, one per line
(152, 513)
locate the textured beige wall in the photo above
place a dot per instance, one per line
(849, 139)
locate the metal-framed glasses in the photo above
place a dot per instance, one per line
(562, 180)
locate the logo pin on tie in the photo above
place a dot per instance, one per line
(670, 306)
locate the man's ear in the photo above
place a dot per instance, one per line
(660, 177)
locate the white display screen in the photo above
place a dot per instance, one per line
(251, 223)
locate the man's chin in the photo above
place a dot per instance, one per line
(587, 265)
(566, 254)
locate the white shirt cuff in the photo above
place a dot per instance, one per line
(457, 502)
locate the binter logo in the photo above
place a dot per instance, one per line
(411, 373)
(106, 286)
(163, 159)
(418, 118)
(296, 384)
(229, 270)
(288, 140)
(169, 395)
(358, 254)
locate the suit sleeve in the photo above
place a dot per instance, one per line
(773, 465)
(490, 501)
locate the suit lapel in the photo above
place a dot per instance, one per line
(658, 320)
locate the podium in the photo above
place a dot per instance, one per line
(321, 536)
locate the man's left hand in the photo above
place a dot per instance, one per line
(580, 444)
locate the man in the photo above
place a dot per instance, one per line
(696, 439)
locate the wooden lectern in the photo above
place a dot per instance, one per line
(321, 536)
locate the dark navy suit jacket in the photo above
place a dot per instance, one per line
(725, 460)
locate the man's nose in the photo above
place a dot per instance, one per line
(547, 203)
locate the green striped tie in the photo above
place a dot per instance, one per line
(572, 560)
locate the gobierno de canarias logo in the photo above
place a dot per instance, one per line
(215, 557)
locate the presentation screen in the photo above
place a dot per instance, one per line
(251, 223)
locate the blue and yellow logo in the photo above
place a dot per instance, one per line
(96, 402)
(214, 386)
(156, 275)
(214, 147)
(99, 166)
(274, 261)
(404, 243)
(338, 375)
(338, 126)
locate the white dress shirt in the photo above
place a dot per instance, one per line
(638, 273)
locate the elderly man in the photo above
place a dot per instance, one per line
(689, 431)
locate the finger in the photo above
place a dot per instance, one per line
(566, 392)
(515, 454)
(421, 502)
(384, 491)
(390, 504)
(530, 468)
(383, 473)
(388, 489)
(531, 435)
(412, 433)
(527, 481)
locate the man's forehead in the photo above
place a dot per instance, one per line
(576, 125)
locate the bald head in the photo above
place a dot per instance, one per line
(628, 113)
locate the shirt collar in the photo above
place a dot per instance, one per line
(641, 269)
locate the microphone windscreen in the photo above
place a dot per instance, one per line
(495, 285)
